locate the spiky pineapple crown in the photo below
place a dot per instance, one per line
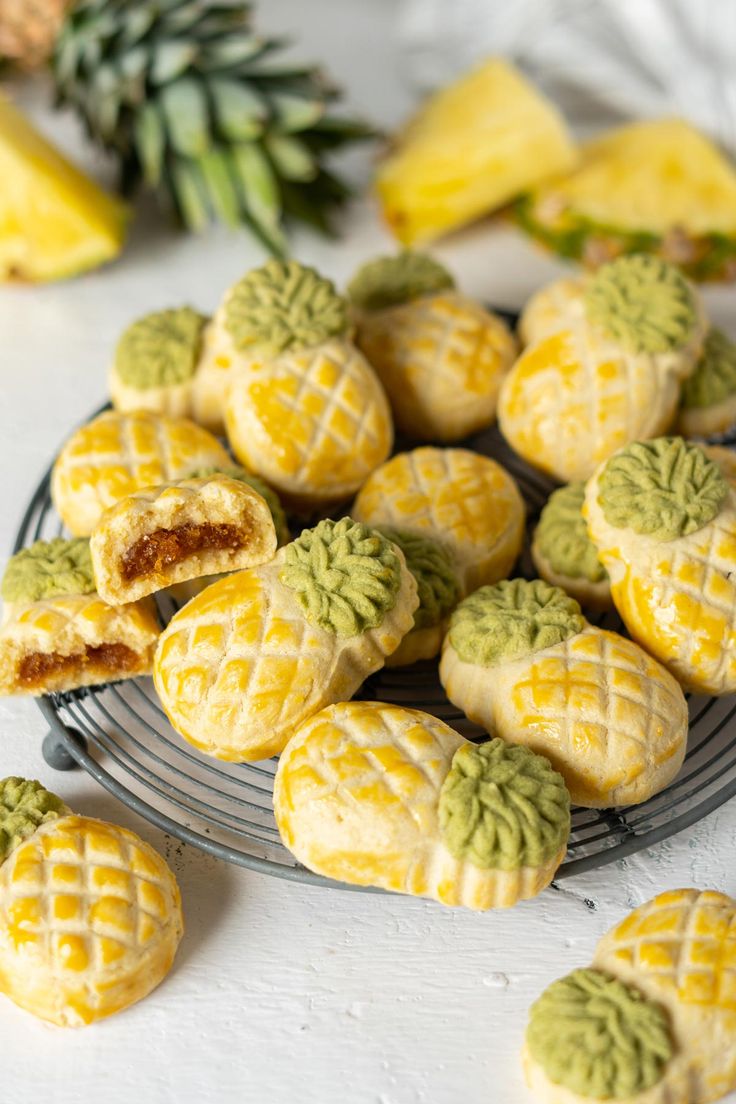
(161, 348)
(195, 105)
(49, 569)
(714, 378)
(390, 281)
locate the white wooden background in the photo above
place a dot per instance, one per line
(284, 993)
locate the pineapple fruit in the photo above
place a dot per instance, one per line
(655, 186)
(54, 221)
(470, 149)
(90, 915)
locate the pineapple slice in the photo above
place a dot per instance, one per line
(656, 186)
(471, 148)
(54, 221)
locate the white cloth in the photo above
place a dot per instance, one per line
(601, 60)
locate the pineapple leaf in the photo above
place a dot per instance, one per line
(188, 189)
(293, 113)
(137, 25)
(220, 187)
(150, 142)
(185, 110)
(291, 157)
(231, 52)
(171, 59)
(259, 190)
(239, 110)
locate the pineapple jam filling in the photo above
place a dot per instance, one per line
(105, 659)
(164, 547)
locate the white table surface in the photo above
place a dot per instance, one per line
(281, 992)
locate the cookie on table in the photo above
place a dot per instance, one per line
(521, 661)
(373, 794)
(304, 410)
(155, 363)
(255, 654)
(58, 634)
(609, 373)
(440, 355)
(563, 553)
(466, 502)
(663, 518)
(653, 1020)
(708, 405)
(117, 454)
(184, 530)
(90, 914)
(438, 590)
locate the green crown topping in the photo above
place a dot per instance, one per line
(389, 281)
(714, 378)
(562, 536)
(267, 493)
(643, 303)
(598, 1037)
(284, 305)
(161, 348)
(512, 619)
(503, 807)
(663, 489)
(433, 567)
(24, 807)
(345, 575)
(48, 569)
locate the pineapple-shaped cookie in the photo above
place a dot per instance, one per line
(155, 361)
(90, 915)
(521, 660)
(117, 454)
(303, 408)
(374, 794)
(440, 355)
(654, 1020)
(663, 518)
(708, 405)
(466, 502)
(255, 654)
(563, 553)
(608, 372)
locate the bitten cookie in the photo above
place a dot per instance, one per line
(117, 454)
(90, 915)
(440, 355)
(466, 502)
(563, 553)
(653, 1021)
(58, 634)
(373, 794)
(521, 660)
(609, 373)
(663, 518)
(155, 362)
(257, 653)
(184, 530)
(708, 405)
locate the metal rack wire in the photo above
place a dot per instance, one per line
(119, 734)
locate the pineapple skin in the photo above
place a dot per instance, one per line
(653, 187)
(54, 221)
(472, 148)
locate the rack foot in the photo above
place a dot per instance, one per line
(56, 753)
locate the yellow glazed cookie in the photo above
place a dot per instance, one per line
(609, 373)
(708, 405)
(90, 915)
(254, 655)
(304, 409)
(179, 531)
(654, 1020)
(542, 313)
(521, 660)
(155, 363)
(464, 501)
(663, 518)
(440, 355)
(373, 794)
(563, 553)
(58, 634)
(117, 454)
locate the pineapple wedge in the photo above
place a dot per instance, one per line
(655, 186)
(471, 148)
(54, 221)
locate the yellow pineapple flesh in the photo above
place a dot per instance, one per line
(54, 221)
(469, 150)
(656, 186)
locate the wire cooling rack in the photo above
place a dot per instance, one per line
(119, 734)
